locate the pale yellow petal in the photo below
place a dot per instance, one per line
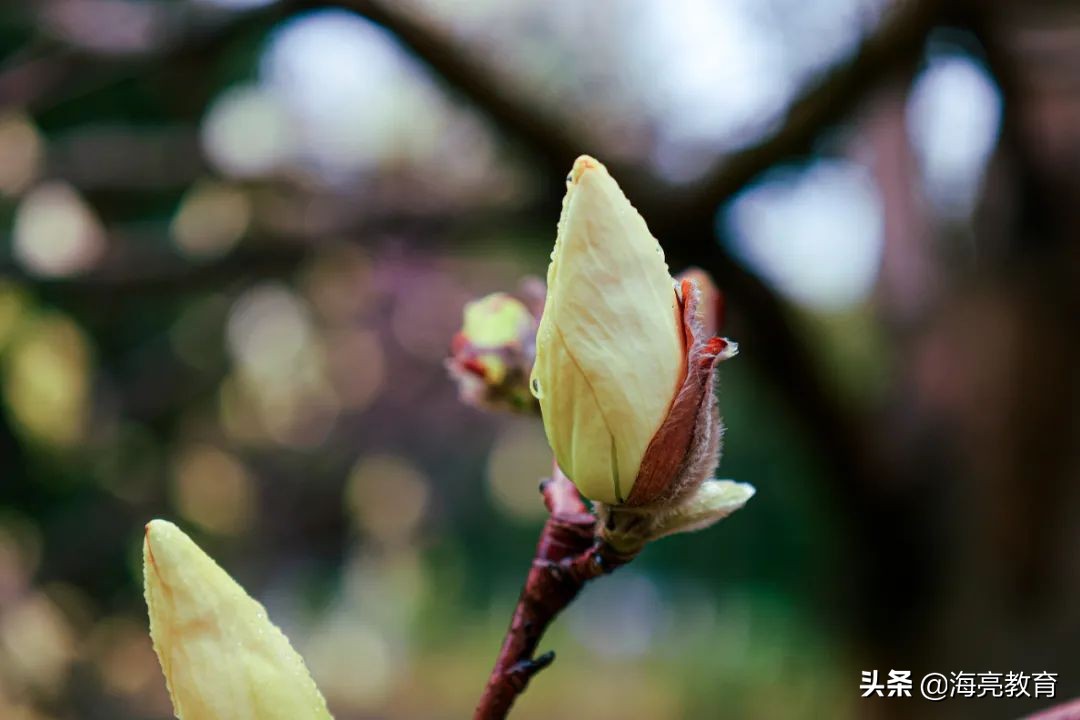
(576, 427)
(610, 351)
(222, 657)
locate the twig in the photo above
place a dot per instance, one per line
(567, 556)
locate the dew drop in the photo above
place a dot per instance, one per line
(537, 391)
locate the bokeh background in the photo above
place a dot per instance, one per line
(235, 240)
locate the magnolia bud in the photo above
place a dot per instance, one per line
(623, 368)
(492, 356)
(222, 657)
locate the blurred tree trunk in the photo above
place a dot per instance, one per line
(982, 423)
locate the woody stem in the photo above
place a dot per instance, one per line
(568, 555)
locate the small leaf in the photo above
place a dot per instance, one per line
(714, 500)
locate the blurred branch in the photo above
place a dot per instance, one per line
(26, 82)
(47, 77)
(129, 272)
(1040, 199)
(168, 275)
(894, 48)
(554, 140)
(48, 73)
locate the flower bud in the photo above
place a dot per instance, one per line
(623, 368)
(222, 657)
(492, 356)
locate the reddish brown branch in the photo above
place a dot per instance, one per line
(567, 556)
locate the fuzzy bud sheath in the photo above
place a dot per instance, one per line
(674, 490)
